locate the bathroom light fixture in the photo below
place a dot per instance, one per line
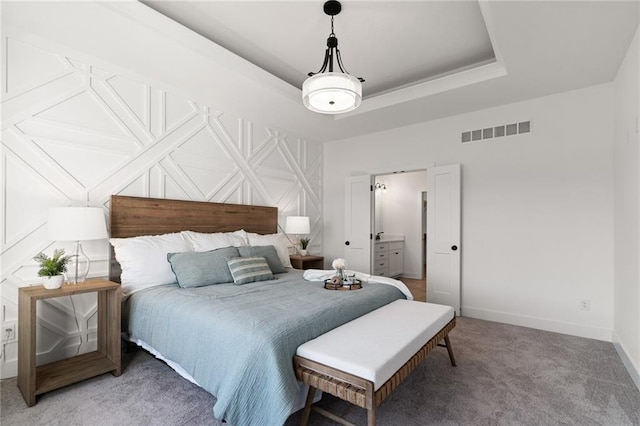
(381, 186)
(328, 91)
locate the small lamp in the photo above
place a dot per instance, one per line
(297, 225)
(77, 224)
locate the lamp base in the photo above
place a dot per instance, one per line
(79, 266)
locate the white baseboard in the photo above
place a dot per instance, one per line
(9, 361)
(410, 275)
(632, 368)
(9, 369)
(572, 329)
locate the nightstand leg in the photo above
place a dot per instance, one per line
(109, 327)
(27, 348)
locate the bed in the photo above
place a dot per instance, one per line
(235, 341)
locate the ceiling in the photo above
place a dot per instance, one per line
(421, 60)
(390, 44)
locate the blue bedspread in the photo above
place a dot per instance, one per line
(238, 342)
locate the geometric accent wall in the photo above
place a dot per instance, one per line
(75, 133)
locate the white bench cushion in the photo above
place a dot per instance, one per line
(377, 344)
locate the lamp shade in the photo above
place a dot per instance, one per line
(76, 224)
(332, 93)
(297, 225)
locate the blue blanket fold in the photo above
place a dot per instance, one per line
(238, 342)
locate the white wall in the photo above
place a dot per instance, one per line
(627, 211)
(401, 213)
(537, 209)
(76, 131)
(537, 225)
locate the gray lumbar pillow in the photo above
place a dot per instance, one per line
(249, 270)
(197, 269)
(268, 252)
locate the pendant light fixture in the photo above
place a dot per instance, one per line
(330, 91)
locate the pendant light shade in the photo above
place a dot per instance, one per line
(330, 91)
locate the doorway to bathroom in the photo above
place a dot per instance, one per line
(398, 219)
(399, 229)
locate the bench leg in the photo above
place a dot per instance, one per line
(448, 344)
(307, 406)
(371, 416)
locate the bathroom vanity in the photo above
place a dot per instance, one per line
(388, 256)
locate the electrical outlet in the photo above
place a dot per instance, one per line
(585, 305)
(8, 332)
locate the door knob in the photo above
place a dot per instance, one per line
(454, 248)
(346, 243)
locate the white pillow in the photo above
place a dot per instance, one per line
(279, 241)
(206, 242)
(242, 234)
(143, 260)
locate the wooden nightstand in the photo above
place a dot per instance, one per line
(307, 262)
(34, 380)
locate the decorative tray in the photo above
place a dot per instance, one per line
(332, 284)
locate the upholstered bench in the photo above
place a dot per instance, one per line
(364, 360)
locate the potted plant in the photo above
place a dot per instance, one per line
(52, 268)
(304, 243)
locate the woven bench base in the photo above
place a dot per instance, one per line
(357, 390)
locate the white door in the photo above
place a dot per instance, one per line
(357, 223)
(443, 235)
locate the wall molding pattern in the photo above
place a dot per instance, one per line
(73, 132)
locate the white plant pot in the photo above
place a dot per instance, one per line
(303, 252)
(51, 283)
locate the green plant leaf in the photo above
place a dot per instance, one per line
(54, 265)
(304, 242)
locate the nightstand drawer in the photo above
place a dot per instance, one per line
(307, 262)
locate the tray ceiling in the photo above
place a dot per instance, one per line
(391, 44)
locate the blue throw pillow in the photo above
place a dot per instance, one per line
(200, 268)
(268, 252)
(249, 269)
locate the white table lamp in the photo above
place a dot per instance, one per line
(77, 224)
(298, 225)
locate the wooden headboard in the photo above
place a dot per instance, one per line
(135, 216)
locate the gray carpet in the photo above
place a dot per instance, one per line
(506, 375)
